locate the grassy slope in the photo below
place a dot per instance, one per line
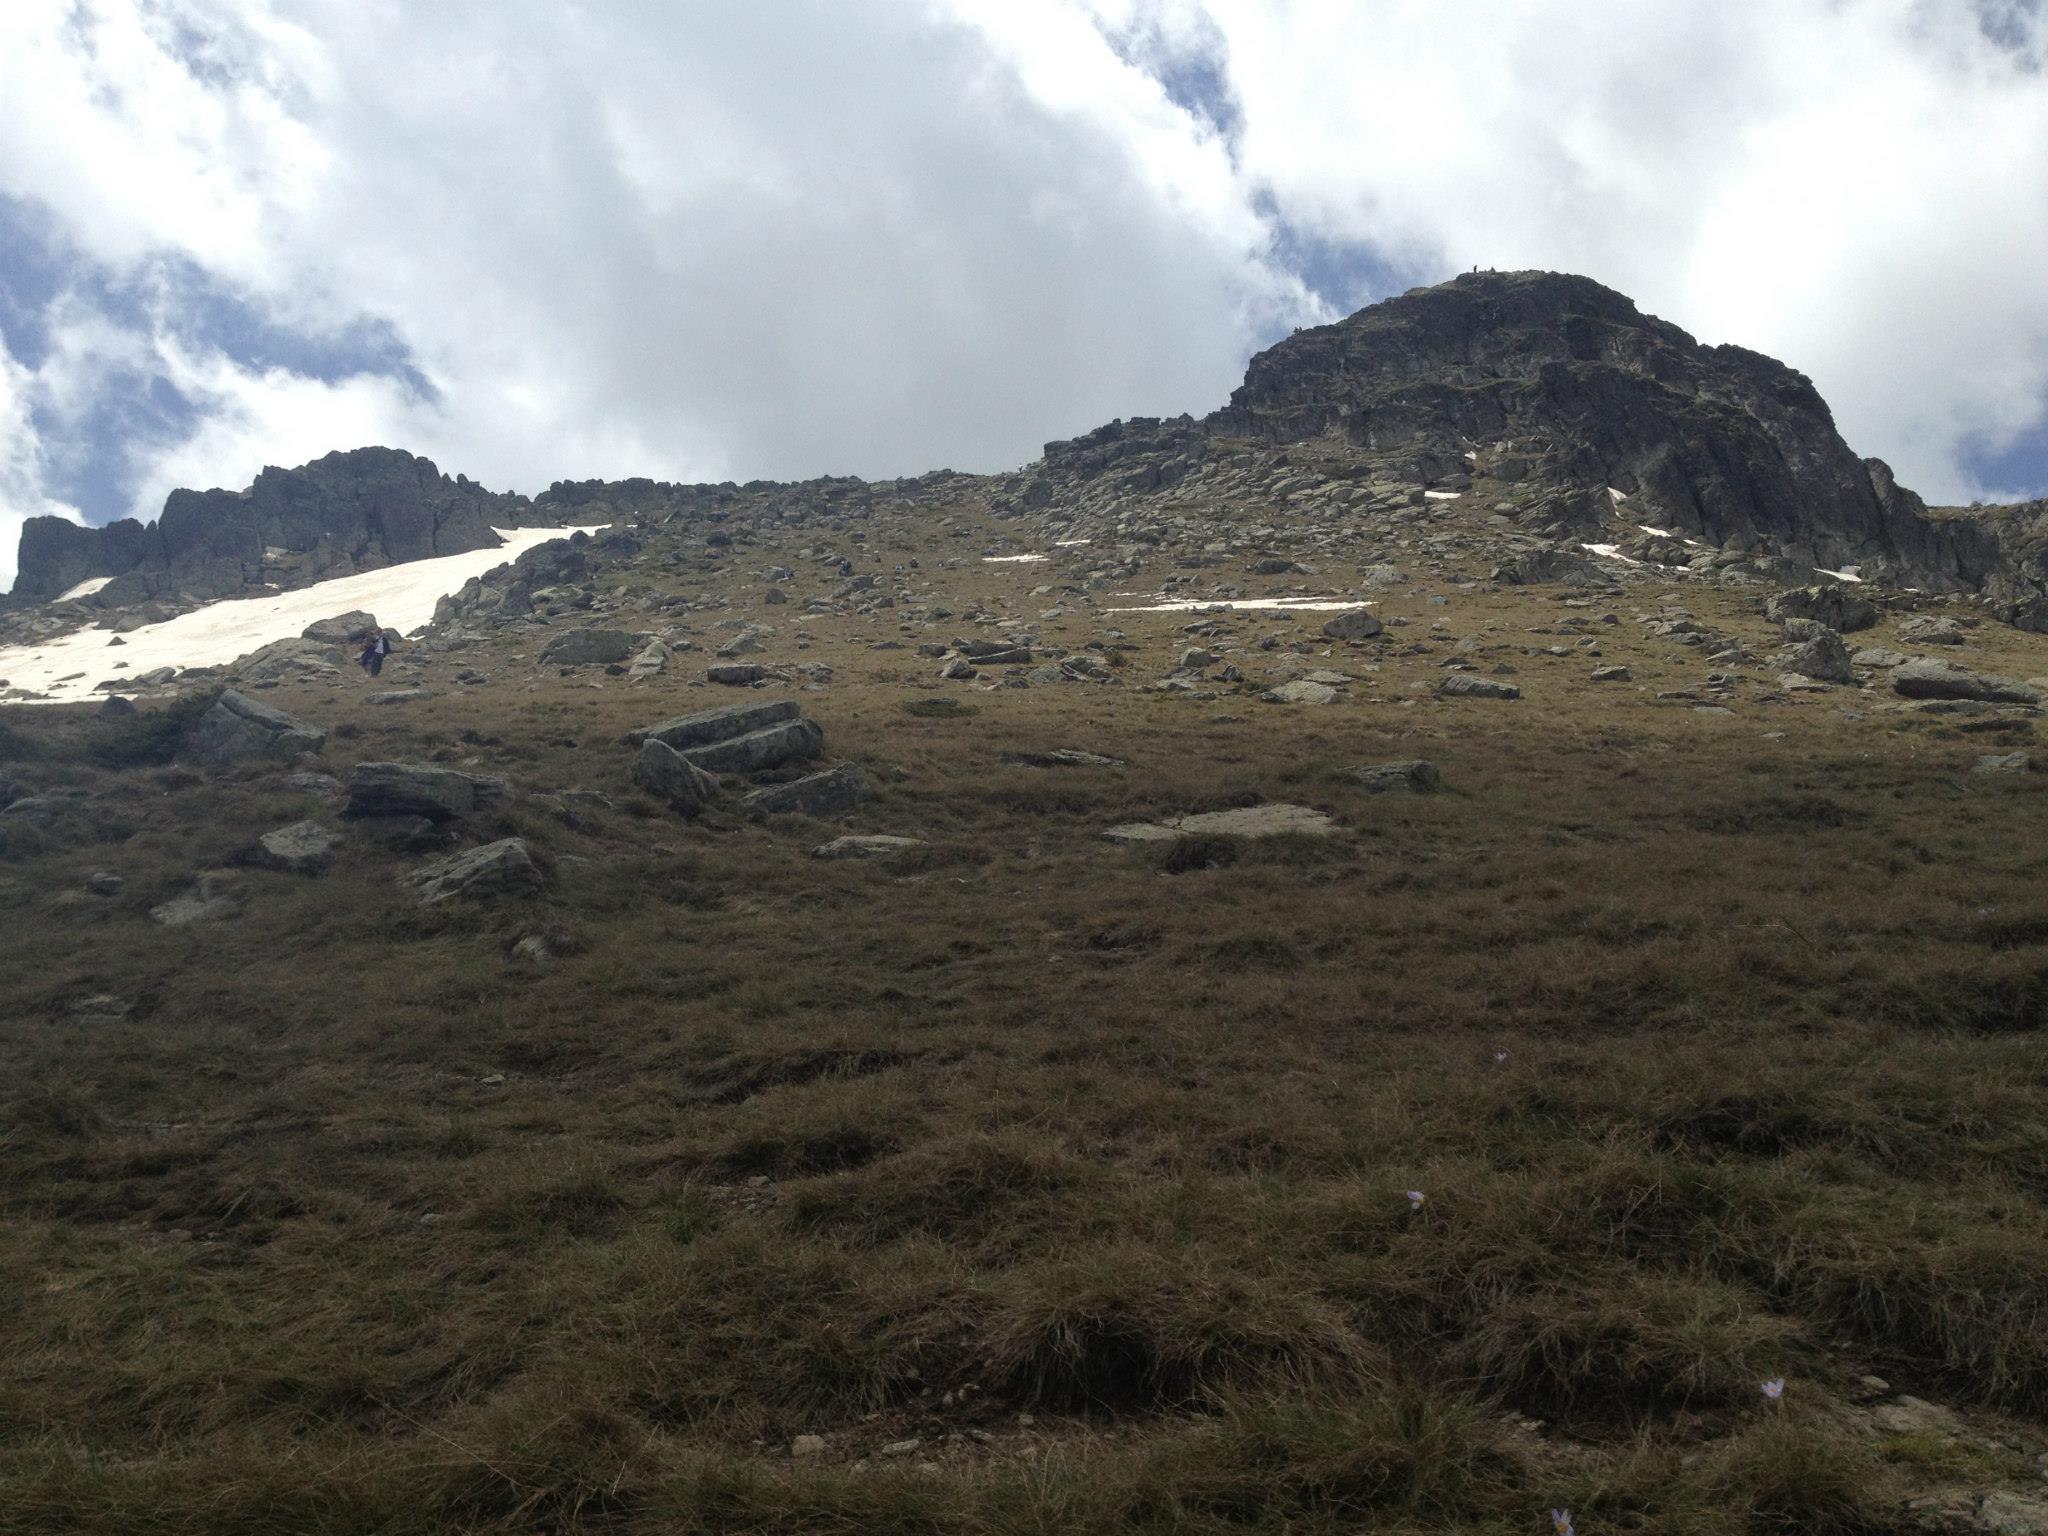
(1082, 1169)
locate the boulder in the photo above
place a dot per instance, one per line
(502, 868)
(1554, 567)
(415, 789)
(589, 647)
(1612, 675)
(286, 659)
(736, 674)
(2003, 765)
(303, 848)
(210, 899)
(238, 729)
(1465, 685)
(663, 771)
(788, 742)
(1837, 607)
(651, 662)
(1930, 629)
(720, 724)
(1301, 691)
(1923, 678)
(874, 847)
(1824, 657)
(1418, 777)
(831, 793)
(343, 629)
(1352, 624)
(1272, 820)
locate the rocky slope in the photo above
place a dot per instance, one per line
(1590, 430)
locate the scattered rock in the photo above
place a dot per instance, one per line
(2002, 766)
(1613, 675)
(1923, 678)
(871, 847)
(343, 629)
(505, 867)
(1301, 691)
(1825, 657)
(1352, 624)
(1418, 776)
(663, 771)
(210, 899)
(396, 696)
(736, 674)
(1464, 685)
(720, 724)
(1063, 757)
(1271, 820)
(303, 848)
(1931, 629)
(414, 789)
(789, 741)
(238, 729)
(588, 647)
(831, 793)
(1837, 607)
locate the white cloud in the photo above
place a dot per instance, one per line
(22, 466)
(707, 240)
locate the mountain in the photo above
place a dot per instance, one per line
(1556, 393)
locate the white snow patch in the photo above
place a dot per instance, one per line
(401, 596)
(1661, 533)
(1245, 604)
(1471, 455)
(1609, 552)
(1443, 495)
(83, 589)
(1069, 543)
(1013, 559)
(1847, 573)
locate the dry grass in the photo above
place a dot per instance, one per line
(358, 1222)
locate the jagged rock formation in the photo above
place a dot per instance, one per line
(347, 512)
(1564, 390)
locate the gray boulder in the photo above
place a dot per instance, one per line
(1464, 685)
(1837, 607)
(875, 847)
(831, 793)
(721, 724)
(589, 647)
(791, 741)
(2003, 765)
(1923, 678)
(1931, 630)
(1418, 777)
(414, 789)
(735, 674)
(1352, 624)
(342, 629)
(240, 729)
(1300, 691)
(1825, 657)
(1554, 567)
(303, 848)
(663, 771)
(503, 868)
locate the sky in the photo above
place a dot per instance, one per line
(699, 240)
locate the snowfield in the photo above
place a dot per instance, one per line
(401, 596)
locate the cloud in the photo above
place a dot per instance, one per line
(22, 466)
(705, 240)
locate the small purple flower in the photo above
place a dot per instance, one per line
(1414, 1199)
(1774, 1388)
(1561, 1522)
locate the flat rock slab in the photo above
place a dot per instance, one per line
(502, 868)
(791, 741)
(590, 647)
(1923, 678)
(1301, 691)
(1275, 820)
(417, 789)
(1356, 624)
(1418, 776)
(873, 847)
(664, 771)
(709, 725)
(830, 793)
(736, 674)
(1463, 685)
(238, 728)
(396, 696)
(1063, 757)
(303, 848)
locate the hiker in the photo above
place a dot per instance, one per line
(375, 649)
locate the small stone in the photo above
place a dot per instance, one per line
(808, 1445)
(1612, 675)
(902, 1447)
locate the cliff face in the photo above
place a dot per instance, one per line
(347, 512)
(1567, 383)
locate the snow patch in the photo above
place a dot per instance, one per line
(1443, 495)
(1847, 573)
(1013, 559)
(1069, 543)
(83, 589)
(1662, 533)
(401, 596)
(1619, 496)
(1244, 604)
(1609, 552)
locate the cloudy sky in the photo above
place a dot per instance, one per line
(709, 239)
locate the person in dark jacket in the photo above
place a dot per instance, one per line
(375, 649)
